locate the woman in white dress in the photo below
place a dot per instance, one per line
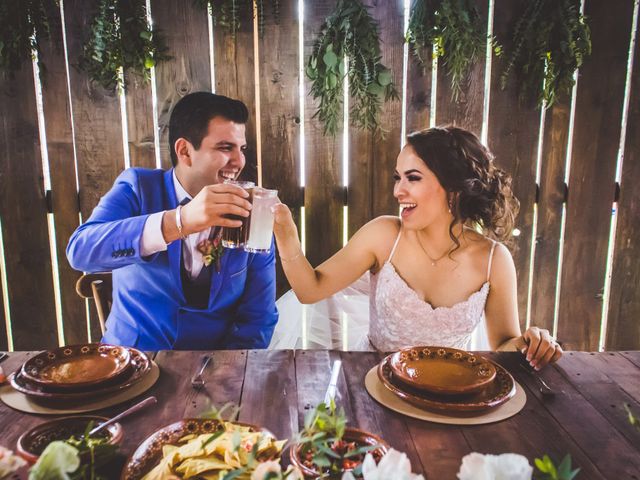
(433, 274)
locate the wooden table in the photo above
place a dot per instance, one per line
(586, 417)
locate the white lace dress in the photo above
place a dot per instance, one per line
(380, 311)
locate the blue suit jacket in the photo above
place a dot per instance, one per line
(149, 309)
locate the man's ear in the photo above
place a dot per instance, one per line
(183, 148)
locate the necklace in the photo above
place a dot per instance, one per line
(433, 260)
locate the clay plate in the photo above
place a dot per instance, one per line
(140, 366)
(32, 443)
(149, 452)
(496, 393)
(446, 371)
(360, 437)
(77, 367)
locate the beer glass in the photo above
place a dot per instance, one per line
(260, 228)
(233, 237)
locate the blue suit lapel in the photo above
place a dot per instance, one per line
(174, 250)
(216, 279)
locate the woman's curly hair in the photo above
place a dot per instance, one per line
(479, 192)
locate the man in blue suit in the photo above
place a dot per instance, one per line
(154, 228)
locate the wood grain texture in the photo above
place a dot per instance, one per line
(184, 27)
(234, 59)
(367, 413)
(276, 388)
(62, 168)
(623, 328)
(97, 122)
(596, 137)
(512, 137)
(550, 205)
(269, 392)
(546, 432)
(139, 106)
(280, 114)
(418, 93)
(466, 112)
(372, 158)
(324, 194)
(23, 213)
(608, 382)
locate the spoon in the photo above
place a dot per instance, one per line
(128, 411)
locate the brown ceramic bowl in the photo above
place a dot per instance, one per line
(442, 370)
(360, 437)
(140, 367)
(32, 443)
(496, 393)
(77, 367)
(149, 452)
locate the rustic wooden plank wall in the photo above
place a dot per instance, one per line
(596, 137)
(512, 131)
(64, 193)
(512, 137)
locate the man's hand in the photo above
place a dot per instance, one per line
(210, 207)
(215, 205)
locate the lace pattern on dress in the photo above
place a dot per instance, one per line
(400, 318)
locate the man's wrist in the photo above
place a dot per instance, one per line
(179, 222)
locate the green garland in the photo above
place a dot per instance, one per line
(121, 38)
(550, 41)
(456, 30)
(25, 23)
(349, 32)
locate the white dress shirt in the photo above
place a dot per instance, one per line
(152, 240)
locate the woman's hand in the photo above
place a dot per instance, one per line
(284, 227)
(539, 347)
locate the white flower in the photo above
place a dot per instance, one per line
(394, 464)
(272, 466)
(264, 468)
(508, 466)
(9, 462)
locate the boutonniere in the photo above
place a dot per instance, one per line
(212, 250)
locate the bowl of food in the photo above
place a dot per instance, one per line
(349, 452)
(327, 447)
(201, 447)
(32, 443)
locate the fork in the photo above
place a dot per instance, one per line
(197, 381)
(545, 389)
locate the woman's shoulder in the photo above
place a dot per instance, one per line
(379, 235)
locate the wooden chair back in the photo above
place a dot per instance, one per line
(98, 286)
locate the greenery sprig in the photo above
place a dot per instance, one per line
(226, 13)
(121, 39)
(351, 32)
(25, 24)
(455, 29)
(550, 42)
(550, 472)
(324, 427)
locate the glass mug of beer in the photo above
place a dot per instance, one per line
(260, 222)
(233, 237)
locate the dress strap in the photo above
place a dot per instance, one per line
(493, 247)
(395, 244)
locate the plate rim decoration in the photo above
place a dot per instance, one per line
(140, 364)
(32, 368)
(137, 466)
(484, 368)
(449, 403)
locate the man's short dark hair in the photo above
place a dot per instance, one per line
(191, 115)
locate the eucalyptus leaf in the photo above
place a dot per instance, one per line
(330, 59)
(349, 31)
